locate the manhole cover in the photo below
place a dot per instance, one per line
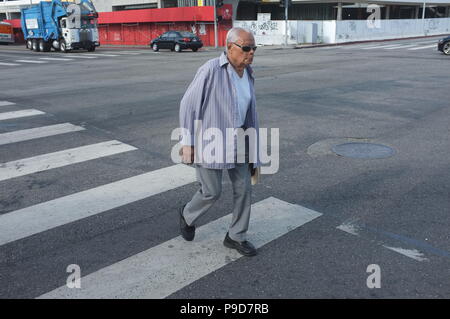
(363, 150)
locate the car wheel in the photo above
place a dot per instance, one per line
(91, 48)
(194, 49)
(446, 48)
(155, 47)
(177, 48)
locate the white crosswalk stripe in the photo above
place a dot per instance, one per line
(39, 132)
(81, 56)
(9, 64)
(6, 103)
(56, 59)
(18, 114)
(380, 46)
(98, 54)
(31, 61)
(41, 217)
(424, 47)
(127, 53)
(174, 264)
(400, 47)
(62, 158)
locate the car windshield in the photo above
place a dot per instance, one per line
(187, 34)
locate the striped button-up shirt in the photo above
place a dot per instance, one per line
(212, 99)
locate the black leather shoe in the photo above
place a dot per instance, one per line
(245, 248)
(188, 232)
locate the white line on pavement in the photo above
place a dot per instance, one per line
(400, 47)
(81, 57)
(17, 114)
(98, 54)
(30, 61)
(380, 46)
(166, 268)
(41, 217)
(425, 47)
(62, 158)
(6, 103)
(8, 64)
(411, 253)
(39, 132)
(56, 59)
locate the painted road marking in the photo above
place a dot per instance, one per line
(127, 53)
(166, 268)
(30, 61)
(81, 57)
(6, 103)
(17, 114)
(411, 253)
(380, 46)
(49, 161)
(400, 47)
(95, 54)
(425, 47)
(39, 132)
(354, 228)
(41, 217)
(9, 64)
(56, 59)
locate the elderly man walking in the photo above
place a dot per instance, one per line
(222, 97)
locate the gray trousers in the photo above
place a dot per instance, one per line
(211, 187)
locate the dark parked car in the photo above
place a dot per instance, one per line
(176, 41)
(444, 45)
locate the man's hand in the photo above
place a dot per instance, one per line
(187, 154)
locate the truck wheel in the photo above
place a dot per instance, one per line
(35, 46)
(63, 47)
(29, 44)
(44, 46)
(177, 48)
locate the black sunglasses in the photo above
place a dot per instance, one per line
(245, 48)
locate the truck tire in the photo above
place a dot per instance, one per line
(29, 44)
(35, 45)
(63, 47)
(44, 46)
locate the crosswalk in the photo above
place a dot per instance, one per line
(153, 273)
(53, 57)
(405, 46)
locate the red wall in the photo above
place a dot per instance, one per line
(142, 33)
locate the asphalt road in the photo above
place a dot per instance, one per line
(392, 212)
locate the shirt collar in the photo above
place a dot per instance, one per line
(223, 60)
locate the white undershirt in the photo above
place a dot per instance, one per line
(244, 96)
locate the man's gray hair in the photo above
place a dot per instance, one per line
(233, 34)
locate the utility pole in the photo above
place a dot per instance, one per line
(217, 4)
(286, 6)
(423, 16)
